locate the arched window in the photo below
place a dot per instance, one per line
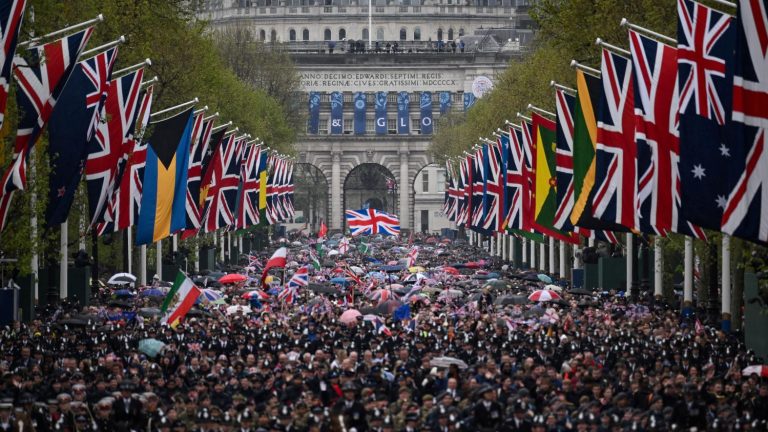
(450, 34)
(365, 34)
(305, 34)
(403, 34)
(327, 34)
(262, 35)
(273, 36)
(461, 32)
(380, 33)
(291, 35)
(417, 33)
(439, 34)
(342, 34)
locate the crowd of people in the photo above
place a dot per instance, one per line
(469, 352)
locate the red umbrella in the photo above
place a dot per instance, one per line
(451, 270)
(259, 293)
(233, 278)
(472, 265)
(543, 296)
(759, 370)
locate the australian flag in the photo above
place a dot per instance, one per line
(72, 125)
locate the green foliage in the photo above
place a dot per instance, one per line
(187, 64)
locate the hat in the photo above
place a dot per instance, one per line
(412, 417)
(349, 386)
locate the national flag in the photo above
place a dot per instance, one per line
(221, 197)
(412, 325)
(41, 81)
(371, 222)
(123, 205)
(323, 231)
(108, 148)
(706, 41)
(277, 260)
(615, 190)
(248, 190)
(478, 190)
(654, 68)
(209, 156)
(544, 195)
(288, 294)
(179, 300)
(343, 246)
(11, 15)
(201, 133)
(529, 175)
(71, 126)
(300, 278)
(164, 184)
(745, 211)
(513, 185)
(494, 188)
(253, 261)
(413, 255)
(465, 208)
(314, 260)
(364, 247)
(565, 104)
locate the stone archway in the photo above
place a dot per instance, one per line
(370, 185)
(311, 194)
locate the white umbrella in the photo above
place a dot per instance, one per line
(447, 362)
(238, 308)
(122, 279)
(333, 252)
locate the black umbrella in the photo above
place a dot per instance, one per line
(580, 292)
(322, 289)
(150, 312)
(497, 285)
(511, 299)
(392, 268)
(120, 303)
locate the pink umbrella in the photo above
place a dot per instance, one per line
(259, 293)
(759, 370)
(350, 316)
(543, 296)
(382, 295)
(233, 278)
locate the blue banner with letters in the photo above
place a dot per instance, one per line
(445, 102)
(381, 113)
(337, 113)
(469, 100)
(425, 104)
(360, 106)
(314, 112)
(403, 120)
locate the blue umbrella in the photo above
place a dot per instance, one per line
(153, 292)
(371, 260)
(392, 268)
(151, 347)
(123, 293)
(493, 275)
(544, 278)
(340, 281)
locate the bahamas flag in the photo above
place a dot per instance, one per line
(163, 210)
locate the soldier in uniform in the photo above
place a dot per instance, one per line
(350, 410)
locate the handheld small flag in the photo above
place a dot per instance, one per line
(278, 260)
(183, 296)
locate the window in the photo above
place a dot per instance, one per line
(450, 34)
(425, 181)
(417, 33)
(392, 126)
(348, 124)
(327, 34)
(262, 35)
(403, 34)
(365, 34)
(291, 35)
(342, 34)
(273, 36)
(439, 34)
(323, 125)
(380, 33)
(461, 32)
(305, 34)
(425, 221)
(370, 126)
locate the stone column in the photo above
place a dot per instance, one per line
(336, 191)
(658, 269)
(688, 276)
(405, 189)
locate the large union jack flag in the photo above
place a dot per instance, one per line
(11, 14)
(494, 189)
(654, 67)
(529, 174)
(254, 160)
(465, 187)
(201, 133)
(107, 150)
(41, 75)
(123, 205)
(615, 198)
(746, 207)
(371, 222)
(706, 39)
(478, 190)
(225, 178)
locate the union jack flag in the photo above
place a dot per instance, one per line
(271, 211)
(465, 187)
(513, 186)
(41, 81)
(529, 175)
(706, 41)
(494, 189)
(615, 198)
(656, 133)
(746, 208)
(478, 190)
(201, 133)
(248, 194)
(124, 204)
(564, 160)
(71, 127)
(222, 191)
(452, 194)
(300, 278)
(107, 150)
(11, 15)
(371, 222)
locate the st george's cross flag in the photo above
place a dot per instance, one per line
(277, 260)
(372, 222)
(745, 211)
(179, 300)
(40, 85)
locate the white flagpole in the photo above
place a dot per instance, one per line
(525, 251)
(563, 270)
(658, 268)
(688, 275)
(159, 259)
(532, 252)
(129, 249)
(63, 255)
(630, 267)
(543, 257)
(725, 299)
(72, 28)
(222, 245)
(551, 255)
(143, 264)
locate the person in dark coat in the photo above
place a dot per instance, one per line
(351, 410)
(488, 412)
(127, 409)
